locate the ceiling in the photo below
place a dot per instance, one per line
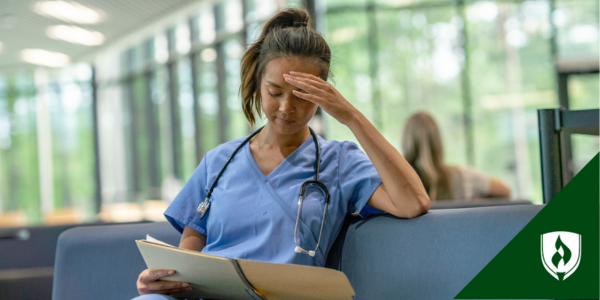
(22, 28)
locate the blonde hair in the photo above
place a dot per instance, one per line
(423, 149)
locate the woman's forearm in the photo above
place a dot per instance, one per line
(402, 183)
(192, 239)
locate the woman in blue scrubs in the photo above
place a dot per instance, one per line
(254, 207)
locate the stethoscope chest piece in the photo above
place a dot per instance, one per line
(299, 250)
(203, 208)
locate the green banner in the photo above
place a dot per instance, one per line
(556, 254)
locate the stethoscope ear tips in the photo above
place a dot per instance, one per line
(311, 253)
(297, 249)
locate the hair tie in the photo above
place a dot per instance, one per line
(300, 24)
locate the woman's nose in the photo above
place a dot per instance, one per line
(286, 106)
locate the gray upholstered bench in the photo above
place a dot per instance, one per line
(429, 257)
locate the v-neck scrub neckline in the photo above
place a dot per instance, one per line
(284, 162)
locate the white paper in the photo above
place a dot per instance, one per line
(155, 241)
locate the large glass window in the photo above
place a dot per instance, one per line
(583, 94)
(208, 98)
(186, 109)
(419, 62)
(584, 148)
(482, 68)
(160, 100)
(238, 126)
(258, 10)
(71, 122)
(583, 91)
(577, 24)
(46, 147)
(512, 75)
(347, 37)
(112, 115)
(19, 176)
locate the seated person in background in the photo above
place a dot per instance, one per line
(422, 148)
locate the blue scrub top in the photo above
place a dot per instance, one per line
(253, 217)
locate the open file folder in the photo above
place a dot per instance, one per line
(218, 277)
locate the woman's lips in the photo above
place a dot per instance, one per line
(285, 122)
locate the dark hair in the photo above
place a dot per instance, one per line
(284, 35)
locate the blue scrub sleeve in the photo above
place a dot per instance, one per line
(357, 175)
(182, 211)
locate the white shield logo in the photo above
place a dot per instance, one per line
(561, 253)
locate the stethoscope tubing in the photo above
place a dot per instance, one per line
(212, 186)
(204, 206)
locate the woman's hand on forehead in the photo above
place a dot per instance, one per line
(322, 93)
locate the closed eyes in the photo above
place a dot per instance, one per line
(277, 95)
(273, 95)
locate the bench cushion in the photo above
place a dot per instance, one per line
(429, 257)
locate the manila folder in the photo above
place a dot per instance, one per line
(209, 276)
(296, 282)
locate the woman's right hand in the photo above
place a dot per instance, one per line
(149, 283)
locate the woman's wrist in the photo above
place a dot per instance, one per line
(355, 120)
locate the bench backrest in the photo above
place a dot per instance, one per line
(103, 262)
(429, 257)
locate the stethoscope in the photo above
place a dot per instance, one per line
(204, 206)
